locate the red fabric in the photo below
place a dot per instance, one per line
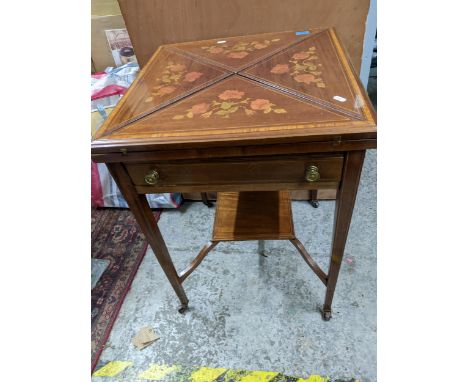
(108, 91)
(96, 189)
(98, 75)
(174, 202)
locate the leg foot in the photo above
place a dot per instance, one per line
(261, 248)
(326, 315)
(313, 198)
(182, 308)
(314, 203)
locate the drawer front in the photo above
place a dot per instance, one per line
(288, 172)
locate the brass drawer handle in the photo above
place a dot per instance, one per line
(312, 174)
(152, 177)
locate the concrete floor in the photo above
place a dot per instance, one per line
(257, 313)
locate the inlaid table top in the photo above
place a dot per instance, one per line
(257, 89)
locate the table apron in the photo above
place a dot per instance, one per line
(241, 174)
(237, 187)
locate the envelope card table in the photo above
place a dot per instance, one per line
(251, 118)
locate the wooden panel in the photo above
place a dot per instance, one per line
(181, 100)
(246, 171)
(238, 187)
(321, 195)
(226, 108)
(312, 68)
(253, 216)
(152, 23)
(167, 79)
(321, 144)
(237, 53)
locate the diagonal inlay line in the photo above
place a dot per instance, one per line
(304, 97)
(165, 104)
(240, 73)
(314, 100)
(279, 50)
(248, 64)
(258, 82)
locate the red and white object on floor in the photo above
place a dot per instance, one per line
(106, 90)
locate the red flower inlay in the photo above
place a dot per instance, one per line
(260, 104)
(231, 94)
(192, 76)
(305, 78)
(301, 56)
(200, 108)
(166, 90)
(216, 50)
(176, 67)
(238, 54)
(280, 69)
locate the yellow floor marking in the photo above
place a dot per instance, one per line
(314, 378)
(206, 374)
(234, 375)
(112, 368)
(259, 376)
(157, 372)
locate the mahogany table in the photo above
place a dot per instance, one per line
(262, 113)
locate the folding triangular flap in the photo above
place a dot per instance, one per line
(184, 98)
(237, 53)
(168, 77)
(235, 105)
(313, 69)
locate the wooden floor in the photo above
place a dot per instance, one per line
(253, 216)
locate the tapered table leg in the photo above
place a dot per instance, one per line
(313, 196)
(205, 200)
(344, 206)
(261, 248)
(141, 210)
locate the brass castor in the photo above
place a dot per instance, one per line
(183, 308)
(314, 203)
(326, 315)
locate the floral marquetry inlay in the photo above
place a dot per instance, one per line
(230, 102)
(240, 49)
(304, 67)
(172, 77)
(267, 88)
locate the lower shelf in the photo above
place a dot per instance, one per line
(253, 215)
(257, 215)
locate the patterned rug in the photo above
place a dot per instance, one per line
(116, 237)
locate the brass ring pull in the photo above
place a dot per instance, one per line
(312, 174)
(152, 177)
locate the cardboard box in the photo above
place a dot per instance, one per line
(101, 53)
(106, 16)
(105, 8)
